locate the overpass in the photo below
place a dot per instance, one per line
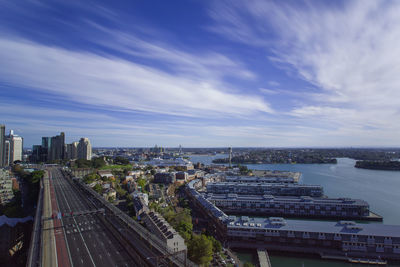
(74, 226)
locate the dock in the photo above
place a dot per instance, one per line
(263, 258)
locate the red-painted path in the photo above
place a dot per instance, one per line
(62, 253)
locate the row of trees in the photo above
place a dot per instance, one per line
(31, 182)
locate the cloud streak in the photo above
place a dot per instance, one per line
(349, 51)
(118, 84)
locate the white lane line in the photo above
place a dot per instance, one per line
(55, 247)
(90, 256)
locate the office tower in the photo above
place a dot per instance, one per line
(13, 148)
(45, 149)
(16, 147)
(57, 147)
(84, 149)
(2, 144)
(72, 151)
(7, 151)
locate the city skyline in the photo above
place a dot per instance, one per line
(202, 73)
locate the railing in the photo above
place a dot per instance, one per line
(34, 255)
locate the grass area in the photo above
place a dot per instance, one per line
(116, 167)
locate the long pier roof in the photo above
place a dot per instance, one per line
(341, 227)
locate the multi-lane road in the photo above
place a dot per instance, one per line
(88, 241)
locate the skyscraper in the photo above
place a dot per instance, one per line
(57, 147)
(2, 144)
(84, 149)
(72, 151)
(13, 148)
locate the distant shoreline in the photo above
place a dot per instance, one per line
(378, 165)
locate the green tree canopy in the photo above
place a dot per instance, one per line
(200, 249)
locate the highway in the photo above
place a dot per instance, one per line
(88, 241)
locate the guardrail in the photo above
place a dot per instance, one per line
(142, 232)
(34, 255)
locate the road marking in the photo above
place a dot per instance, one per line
(90, 256)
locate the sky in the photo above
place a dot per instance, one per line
(199, 73)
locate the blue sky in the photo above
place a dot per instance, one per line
(202, 73)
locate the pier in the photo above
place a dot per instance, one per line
(263, 258)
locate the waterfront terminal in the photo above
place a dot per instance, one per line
(342, 240)
(279, 189)
(293, 206)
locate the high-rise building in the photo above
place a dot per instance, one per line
(13, 148)
(57, 147)
(45, 149)
(2, 144)
(84, 149)
(7, 151)
(72, 151)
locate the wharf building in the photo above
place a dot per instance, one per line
(336, 240)
(292, 206)
(214, 218)
(328, 239)
(256, 179)
(278, 189)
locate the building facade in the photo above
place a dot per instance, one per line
(72, 151)
(14, 148)
(84, 149)
(57, 147)
(291, 206)
(163, 230)
(6, 185)
(277, 189)
(2, 144)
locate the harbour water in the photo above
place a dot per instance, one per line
(381, 189)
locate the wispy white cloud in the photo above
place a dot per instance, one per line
(115, 83)
(196, 64)
(350, 51)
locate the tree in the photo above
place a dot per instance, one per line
(121, 161)
(248, 264)
(141, 182)
(121, 192)
(98, 188)
(200, 249)
(97, 163)
(217, 247)
(83, 163)
(90, 178)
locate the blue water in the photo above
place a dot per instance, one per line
(381, 189)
